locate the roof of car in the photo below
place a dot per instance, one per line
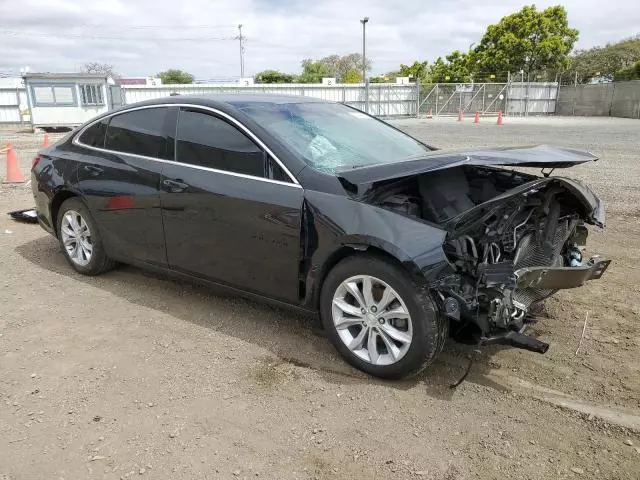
(232, 99)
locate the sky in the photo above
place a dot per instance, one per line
(143, 37)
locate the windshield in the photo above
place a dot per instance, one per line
(330, 136)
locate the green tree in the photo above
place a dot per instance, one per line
(173, 76)
(417, 70)
(382, 78)
(274, 76)
(629, 73)
(606, 62)
(313, 71)
(529, 40)
(453, 69)
(352, 76)
(331, 65)
(348, 63)
(335, 66)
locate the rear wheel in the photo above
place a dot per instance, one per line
(378, 319)
(80, 240)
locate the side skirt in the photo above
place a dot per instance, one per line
(223, 287)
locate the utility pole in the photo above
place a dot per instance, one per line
(241, 38)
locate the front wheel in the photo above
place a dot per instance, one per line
(378, 319)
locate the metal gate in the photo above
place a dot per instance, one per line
(512, 98)
(116, 97)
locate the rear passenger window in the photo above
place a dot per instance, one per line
(139, 132)
(209, 141)
(94, 135)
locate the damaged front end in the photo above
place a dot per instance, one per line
(513, 239)
(514, 250)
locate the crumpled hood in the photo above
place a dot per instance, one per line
(542, 156)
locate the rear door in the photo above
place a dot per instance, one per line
(230, 212)
(120, 179)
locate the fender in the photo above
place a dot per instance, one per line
(333, 225)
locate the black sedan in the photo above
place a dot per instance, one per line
(320, 206)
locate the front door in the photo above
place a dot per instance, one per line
(230, 213)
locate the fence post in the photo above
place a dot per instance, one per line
(366, 95)
(437, 95)
(484, 94)
(20, 116)
(526, 98)
(506, 94)
(613, 95)
(417, 97)
(555, 109)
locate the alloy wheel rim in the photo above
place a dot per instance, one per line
(76, 238)
(372, 320)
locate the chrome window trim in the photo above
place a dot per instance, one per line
(249, 133)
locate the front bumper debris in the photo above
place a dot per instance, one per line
(555, 278)
(517, 340)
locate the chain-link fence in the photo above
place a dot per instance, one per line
(513, 98)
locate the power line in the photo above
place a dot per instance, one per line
(108, 37)
(120, 27)
(134, 27)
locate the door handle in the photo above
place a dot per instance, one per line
(175, 186)
(93, 170)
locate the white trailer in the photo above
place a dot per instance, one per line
(65, 99)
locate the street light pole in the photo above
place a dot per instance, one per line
(364, 48)
(364, 62)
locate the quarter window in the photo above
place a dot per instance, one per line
(275, 171)
(208, 141)
(140, 132)
(91, 94)
(94, 135)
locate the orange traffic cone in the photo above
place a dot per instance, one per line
(476, 118)
(460, 117)
(46, 140)
(499, 118)
(13, 171)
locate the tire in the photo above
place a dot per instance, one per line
(96, 261)
(426, 327)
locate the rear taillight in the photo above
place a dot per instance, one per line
(36, 159)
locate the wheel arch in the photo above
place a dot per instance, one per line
(56, 203)
(350, 249)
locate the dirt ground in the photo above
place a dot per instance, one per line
(129, 374)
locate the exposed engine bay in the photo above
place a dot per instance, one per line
(513, 240)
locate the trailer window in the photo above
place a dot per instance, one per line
(91, 94)
(47, 95)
